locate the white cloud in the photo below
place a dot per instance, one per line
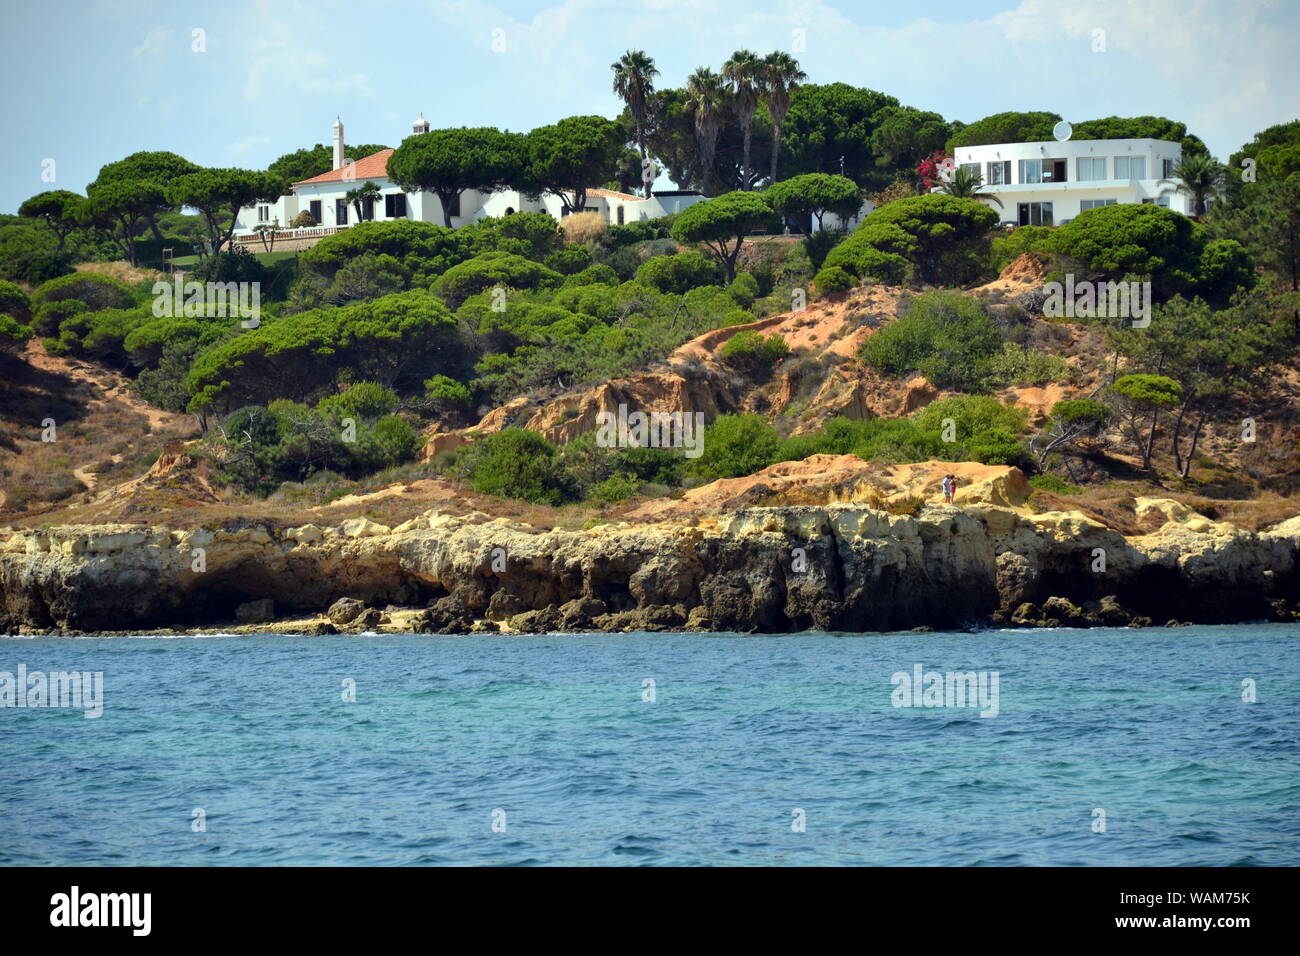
(155, 42)
(286, 61)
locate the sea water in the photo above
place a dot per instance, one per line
(1108, 746)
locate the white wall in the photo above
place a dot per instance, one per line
(1066, 196)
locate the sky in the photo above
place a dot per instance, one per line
(242, 82)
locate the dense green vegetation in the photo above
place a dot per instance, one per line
(376, 332)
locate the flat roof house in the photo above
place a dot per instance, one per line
(1046, 184)
(325, 197)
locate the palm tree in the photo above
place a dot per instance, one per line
(634, 75)
(1200, 176)
(367, 190)
(783, 76)
(745, 74)
(966, 184)
(706, 97)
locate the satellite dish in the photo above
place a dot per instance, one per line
(1062, 131)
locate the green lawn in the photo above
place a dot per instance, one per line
(265, 258)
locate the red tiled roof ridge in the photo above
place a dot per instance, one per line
(374, 166)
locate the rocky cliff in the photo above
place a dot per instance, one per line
(844, 567)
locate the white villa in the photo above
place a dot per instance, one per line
(324, 197)
(1046, 184)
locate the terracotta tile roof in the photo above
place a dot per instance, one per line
(593, 191)
(374, 166)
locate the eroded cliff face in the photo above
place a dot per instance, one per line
(844, 567)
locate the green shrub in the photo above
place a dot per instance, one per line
(945, 336)
(598, 274)
(570, 260)
(942, 239)
(97, 291)
(832, 281)
(615, 488)
(15, 303)
(750, 351)
(736, 445)
(744, 290)
(1017, 365)
(982, 429)
(516, 463)
(446, 392)
(12, 333)
(1055, 485)
(679, 273)
(490, 270)
(364, 400)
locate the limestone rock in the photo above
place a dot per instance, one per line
(256, 612)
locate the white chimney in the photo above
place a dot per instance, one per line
(421, 125)
(339, 160)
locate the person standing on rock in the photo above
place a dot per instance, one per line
(949, 488)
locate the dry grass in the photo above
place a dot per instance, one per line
(584, 227)
(121, 270)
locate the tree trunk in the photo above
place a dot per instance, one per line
(776, 149)
(744, 169)
(1191, 452)
(1177, 435)
(1151, 440)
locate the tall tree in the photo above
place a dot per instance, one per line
(745, 74)
(706, 98)
(219, 194)
(158, 168)
(721, 225)
(782, 76)
(634, 74)
(446, 162)
(59, 209)
(121, 205)
(568, 157)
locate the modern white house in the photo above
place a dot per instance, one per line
(1045, 184)
(324, 196)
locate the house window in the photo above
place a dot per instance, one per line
(1042, 171)
(1166, 168)
(455, 206)
(999, 173)
(316, 210)
(620, 215)
(1091, 168)
(1035, 213)
(1095, 203)
(367, 209)
(1130, 167)
(1163, 201)
(972, 169)
(263, 213)
(341, 212)
(395, 206)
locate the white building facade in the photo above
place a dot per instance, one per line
(1047, 184)
(325, 198)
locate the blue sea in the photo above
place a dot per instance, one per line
(660, 749)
